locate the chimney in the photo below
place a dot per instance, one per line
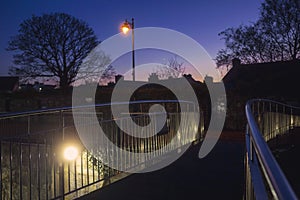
(118, 77)
(208, 79)
(236, 62)
(153, 77)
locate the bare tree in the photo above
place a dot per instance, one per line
(274, 37)
(95, 68)
(281, 23)
(51, 45)
(172, 69)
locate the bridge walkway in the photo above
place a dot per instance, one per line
(220, 175)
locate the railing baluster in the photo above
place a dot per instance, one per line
(38, 171)
(87, 168)
(20, 167)
(81, 168)
(46, 169)
(68, 177)
(1, 180)
(30, 171)
(62, 180)
(75, 175)
(54, 175)
(10, 171)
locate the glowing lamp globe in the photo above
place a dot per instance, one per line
(70, 153)
(125, 27)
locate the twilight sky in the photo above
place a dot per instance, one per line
(202, 20)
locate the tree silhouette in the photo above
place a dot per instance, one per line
(51, 45)
(172, 69)
(274, 37)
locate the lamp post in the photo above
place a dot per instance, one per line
(126, 26)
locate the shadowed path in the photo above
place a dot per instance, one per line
(220, 175)
(287, 154)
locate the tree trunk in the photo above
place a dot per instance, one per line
(63, 82)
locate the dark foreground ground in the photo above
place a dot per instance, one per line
(220, 175)
(289, 163)
(287, 153)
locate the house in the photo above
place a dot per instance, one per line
(41, 87)
(9, 84)
(153, 77)
(263, 80)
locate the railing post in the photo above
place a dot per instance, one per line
(10, 171)
(1, 181)
(62, 181)
(30, 171)
(21, 160)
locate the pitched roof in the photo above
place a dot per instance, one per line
(265, 79)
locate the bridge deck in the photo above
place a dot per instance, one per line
(287, 154)
(220, 175)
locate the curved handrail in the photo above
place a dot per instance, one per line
(33, 112)
(272, 101)
(274, 174)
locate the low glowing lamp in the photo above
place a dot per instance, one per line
(70, 153)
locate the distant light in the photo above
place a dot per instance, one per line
(70, 153)
(40, 89)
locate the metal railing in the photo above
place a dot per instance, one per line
(31, 144)
(267, 120)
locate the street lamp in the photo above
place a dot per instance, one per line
(126, 26)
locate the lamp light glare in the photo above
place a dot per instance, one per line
(126, 26)
(70, 153)
(125, 29)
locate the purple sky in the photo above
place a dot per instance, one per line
(200, 19)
